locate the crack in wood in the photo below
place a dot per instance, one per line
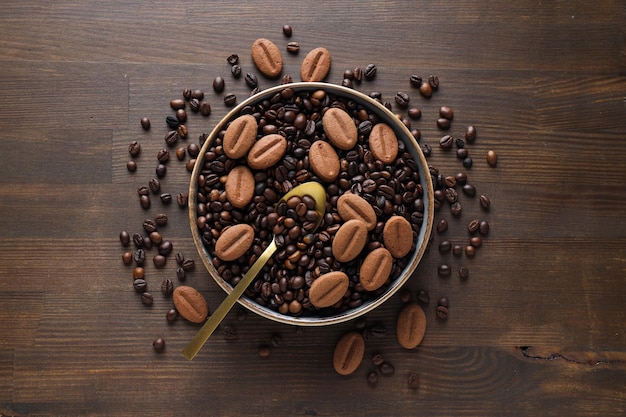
(554, 356)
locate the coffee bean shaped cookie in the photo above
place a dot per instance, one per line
(398, 236)
(410, 326)
(267, 151)
(383, 143)
(340, 128)
(316, 65)
(240, 136)
(375, 269)
(324, 160)
(351, 206)
(348, 353)
(328, 289)
(234, 241)
(239, 186)
(349, 240)
(190, 304)
(267, 58)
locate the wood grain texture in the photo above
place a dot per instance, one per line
(537, 329)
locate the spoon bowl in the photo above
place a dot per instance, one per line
(311, 189)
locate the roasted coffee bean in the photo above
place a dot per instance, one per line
(163, 156)
(443, 123)
(145, 123)
(287, 31)
(156, 238)
(160, 219)
(167, 287)
(233, 59)
(357, 74)
(149, 225)
(463, 272)
(194, 105)
(171, 137)
(147, 299)
(159, 261)
(171, 315)
(443, 301)
(140, 285)
(444, 270)
(166, 198)
(476, 241)
(445, 246)
(159, 345)
(293, 47)
(414, 113)
(264, 351)
(372, 378)
(426, 149)
(470, 251)
(188, 264)
(470, 134)
(442, 226)
(134, 149)
(181, 199)
(187, 94)
(205, 108)
(473, 225)
(469, 190)
(161, 170)
(462, 153)
(442, 312)
(131, 166)
(446, 112)
(230, 99)
(218, 84)
(377, 358)
(138, 240)
(446, 142)
(127, 258)
(181, 274)
(402, 99)
(415, 80)
(483, 228)
(181, 115)
(468, 162)
(485, 202)
(124, 238)
(229, 333)
(456, 209)
(154, 185)
(193, 150)
(182, 131)
(172, 121)
(492, 158)
(423, 297)
(426, 90)
(165, 248)
(236, 70)
(413, 381)
(369, 73)
(457, 250)
(461, 178)
(276, 340)
(251, 80)
(386, 369)
(433, 81)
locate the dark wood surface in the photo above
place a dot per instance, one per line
(538, 329)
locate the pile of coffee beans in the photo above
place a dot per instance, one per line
(392, 189)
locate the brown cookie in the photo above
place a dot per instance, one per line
(375, 269)
(324, 160)
(351, 206)
(349, 240)
(410, 326)
(340, 128)
(190, 304)
(267, 58)
(398, 236)
(383, 143)
(239, 186)
(316, 65)
(328, 289)
(234, 241)
(240, 136)
(267, 151)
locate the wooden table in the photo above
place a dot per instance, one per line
(537, 329)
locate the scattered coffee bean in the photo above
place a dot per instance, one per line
(433, 81)
(171, 315)
(145, 123)
(426, 90)
(171, 137)
(166, 198)
(131, 166)
(414, 113)
(293, 47)
(470, 251)
(470, 134)
(161, 170)
(144, 201)
(287, 31)
(264, 351)
(485, 202)
(386, 369)
(492, 158)
(473, 225)
(463, 272)
(369, 73)
(446, 112)
(182, 131)
(377, 359)
(415, 80)
(483, 228)
(229, 333)
(402, 99)
(443, 123)
(197, 94)
(167, 287)
(159, 261)
(235, 70)
(413, 381)
(251, 80)
(147, 299)
(172, 121)
(457, 250)
(233, 59)
(140, 285)
(127, 258)
(468, 162)
(159, 345)
(230, 99)
(161, 219)
(181, 274)
(443, 270)
(372, 378)
(134, 149)
(423, 297)
(154, 185)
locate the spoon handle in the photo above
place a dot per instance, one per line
(218, 315)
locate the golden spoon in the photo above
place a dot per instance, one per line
(312, 189)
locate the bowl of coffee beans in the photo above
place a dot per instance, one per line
(379, 202)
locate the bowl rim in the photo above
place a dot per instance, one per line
(423, 237)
